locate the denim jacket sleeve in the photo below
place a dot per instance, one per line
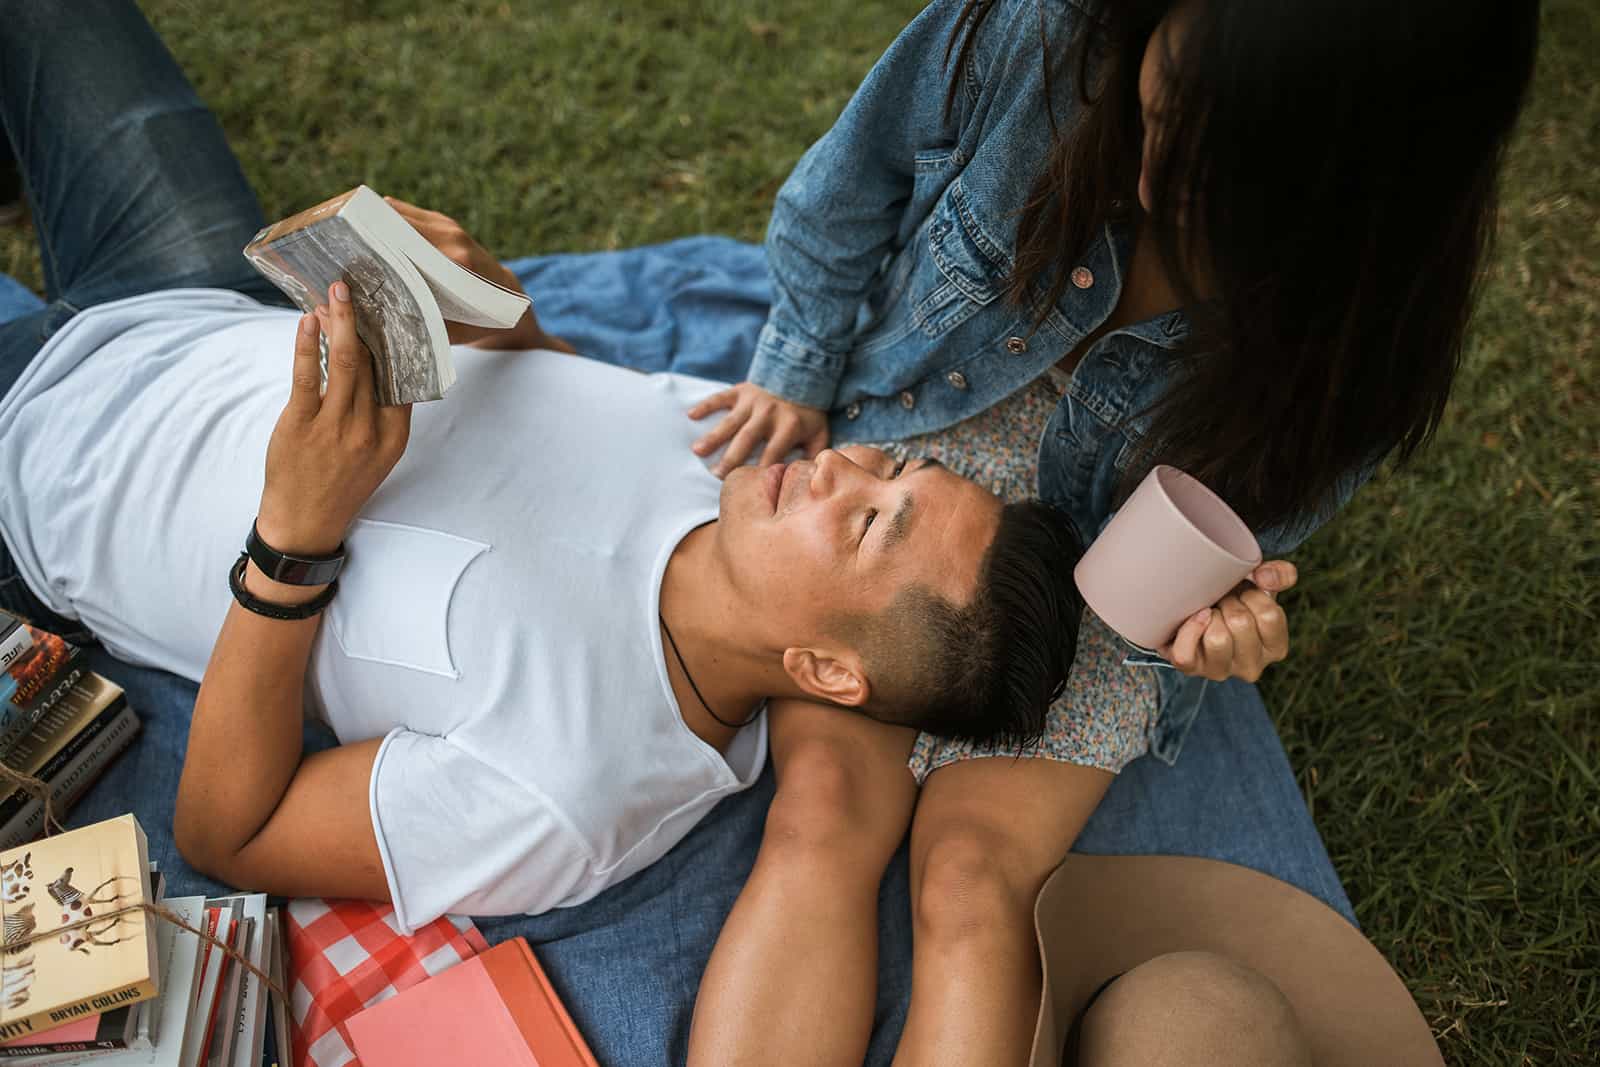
(841, 212)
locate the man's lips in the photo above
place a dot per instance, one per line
(772, 480)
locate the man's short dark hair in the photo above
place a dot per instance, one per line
(987, 671)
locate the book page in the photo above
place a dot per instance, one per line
(463, 295)
(456, 311)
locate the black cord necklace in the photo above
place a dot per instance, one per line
(685, 667)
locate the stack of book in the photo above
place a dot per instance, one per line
(59, 722)
(130, 987)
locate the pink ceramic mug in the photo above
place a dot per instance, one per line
(1172, 549)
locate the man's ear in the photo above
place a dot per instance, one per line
(836, 677)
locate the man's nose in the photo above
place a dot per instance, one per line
(836, 472)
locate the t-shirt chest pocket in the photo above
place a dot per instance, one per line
(394, 596)
(965, 269)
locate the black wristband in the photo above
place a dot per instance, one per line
(292, 570)
(251, 602)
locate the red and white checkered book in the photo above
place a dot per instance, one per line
(345, 955)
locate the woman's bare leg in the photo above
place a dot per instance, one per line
(793, 976)
(987, 834)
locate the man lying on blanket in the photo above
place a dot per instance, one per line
(553, 630)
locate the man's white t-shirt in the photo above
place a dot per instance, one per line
(496, 622)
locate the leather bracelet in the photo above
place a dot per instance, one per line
(291, 569)
(251, 602)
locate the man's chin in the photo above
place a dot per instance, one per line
(727, 500)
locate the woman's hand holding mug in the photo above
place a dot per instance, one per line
(1176, 572)
(1242, 635)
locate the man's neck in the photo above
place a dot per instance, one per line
(711, 626)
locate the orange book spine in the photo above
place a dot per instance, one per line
(516, 973)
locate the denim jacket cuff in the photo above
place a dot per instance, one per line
(794, 371)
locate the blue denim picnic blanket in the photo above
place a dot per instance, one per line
(627, 963)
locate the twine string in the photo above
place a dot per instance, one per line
(159, 912)
(18, 780)
(38, 789)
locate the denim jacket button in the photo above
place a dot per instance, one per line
(907, 401)
(1016, 345)
(1082, 277)
(852, 412)
(957, 379)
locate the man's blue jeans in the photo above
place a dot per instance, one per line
(134, 189)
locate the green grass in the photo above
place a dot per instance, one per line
(1440, 705)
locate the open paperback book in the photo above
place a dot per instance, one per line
(402, 287)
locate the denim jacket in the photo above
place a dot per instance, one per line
(889, 246)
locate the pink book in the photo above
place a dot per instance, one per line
(81, 1035)
(495, 1008)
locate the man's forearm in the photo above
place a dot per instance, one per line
(244, 739)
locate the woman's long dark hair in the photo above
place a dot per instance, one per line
(1335, 162)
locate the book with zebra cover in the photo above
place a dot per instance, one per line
(49, 976)
(179, 954)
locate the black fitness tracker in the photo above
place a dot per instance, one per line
(292, 570)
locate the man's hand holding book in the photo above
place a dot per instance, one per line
(330, 450)
(448, 236)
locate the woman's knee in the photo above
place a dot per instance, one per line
(974, 883)
(1193, 1008)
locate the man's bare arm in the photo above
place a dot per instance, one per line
(249, 810)
(252, 813)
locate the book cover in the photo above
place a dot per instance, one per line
(278, 1023)
(39, 668)
(225, 1030)
(108, 1030)
(249, 1013)
(73, 779)
(87, 707)
(179, 961)
(95, 873)
(339, 951)
(307, 253)
(402, 287)
(115, 1029)
(15, 639)
(206, 988)
(229, 928)
(389, 317)
(497, 1007)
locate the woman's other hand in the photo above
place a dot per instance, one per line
(446, 234)
(755, 415)
(329, 450)
(1241, 635)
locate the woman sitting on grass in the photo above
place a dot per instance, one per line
(1053, 244)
